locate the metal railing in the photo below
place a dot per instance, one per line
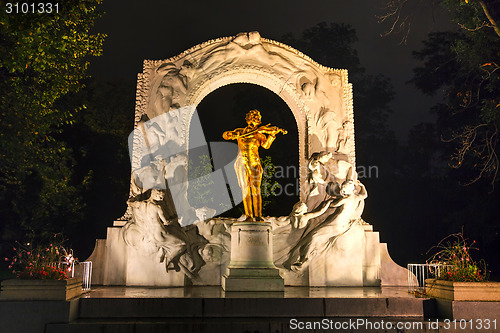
(84, 271)
(417, 273)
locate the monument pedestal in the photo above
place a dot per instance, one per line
(251, 267)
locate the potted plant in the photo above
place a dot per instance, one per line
(42, 272)
(460, 278)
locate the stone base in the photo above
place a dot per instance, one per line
(251, 267)
(252, 279)
(463, 291)
(358, 258)
(391, 274)
(47, 290)
(468, 310)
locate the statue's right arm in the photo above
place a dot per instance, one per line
(338, 203)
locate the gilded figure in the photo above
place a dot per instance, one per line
(247, 166)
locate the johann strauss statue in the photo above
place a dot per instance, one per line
(247, 165)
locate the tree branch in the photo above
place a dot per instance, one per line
(490, 18)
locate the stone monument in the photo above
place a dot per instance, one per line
(163, 241)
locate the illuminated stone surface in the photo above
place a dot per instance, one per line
(251, 267)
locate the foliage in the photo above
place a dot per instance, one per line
(464, 66)
(454, 252)
(269, 185)
(468, 14)
(330, 45)
(200, 182)
(44, 262)
(451, 68)
(43, 60)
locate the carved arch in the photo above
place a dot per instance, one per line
(320, 97)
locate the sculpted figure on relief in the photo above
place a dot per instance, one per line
(341, 204)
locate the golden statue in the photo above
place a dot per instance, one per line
(247, 165)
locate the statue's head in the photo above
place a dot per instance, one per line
(348, 187)
(253, 117)
(157, 194)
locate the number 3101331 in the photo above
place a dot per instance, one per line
(31, 8)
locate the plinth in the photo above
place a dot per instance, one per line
(251, 267)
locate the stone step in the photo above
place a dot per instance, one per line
(259, 325)
(140, 308)
(172, 326)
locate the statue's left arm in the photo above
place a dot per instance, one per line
(272, 131)
(268, 141)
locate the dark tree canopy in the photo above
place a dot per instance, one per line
(461, 66)
(43, 61)
(464, 66)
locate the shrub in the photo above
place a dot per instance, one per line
(454, 253)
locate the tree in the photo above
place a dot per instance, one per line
(43, 61)
(398, 14)
(464, 65)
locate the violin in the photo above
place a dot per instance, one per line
(268, 129)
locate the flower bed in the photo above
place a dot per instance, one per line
(41, 272)
(50, 262)
(463, 279)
